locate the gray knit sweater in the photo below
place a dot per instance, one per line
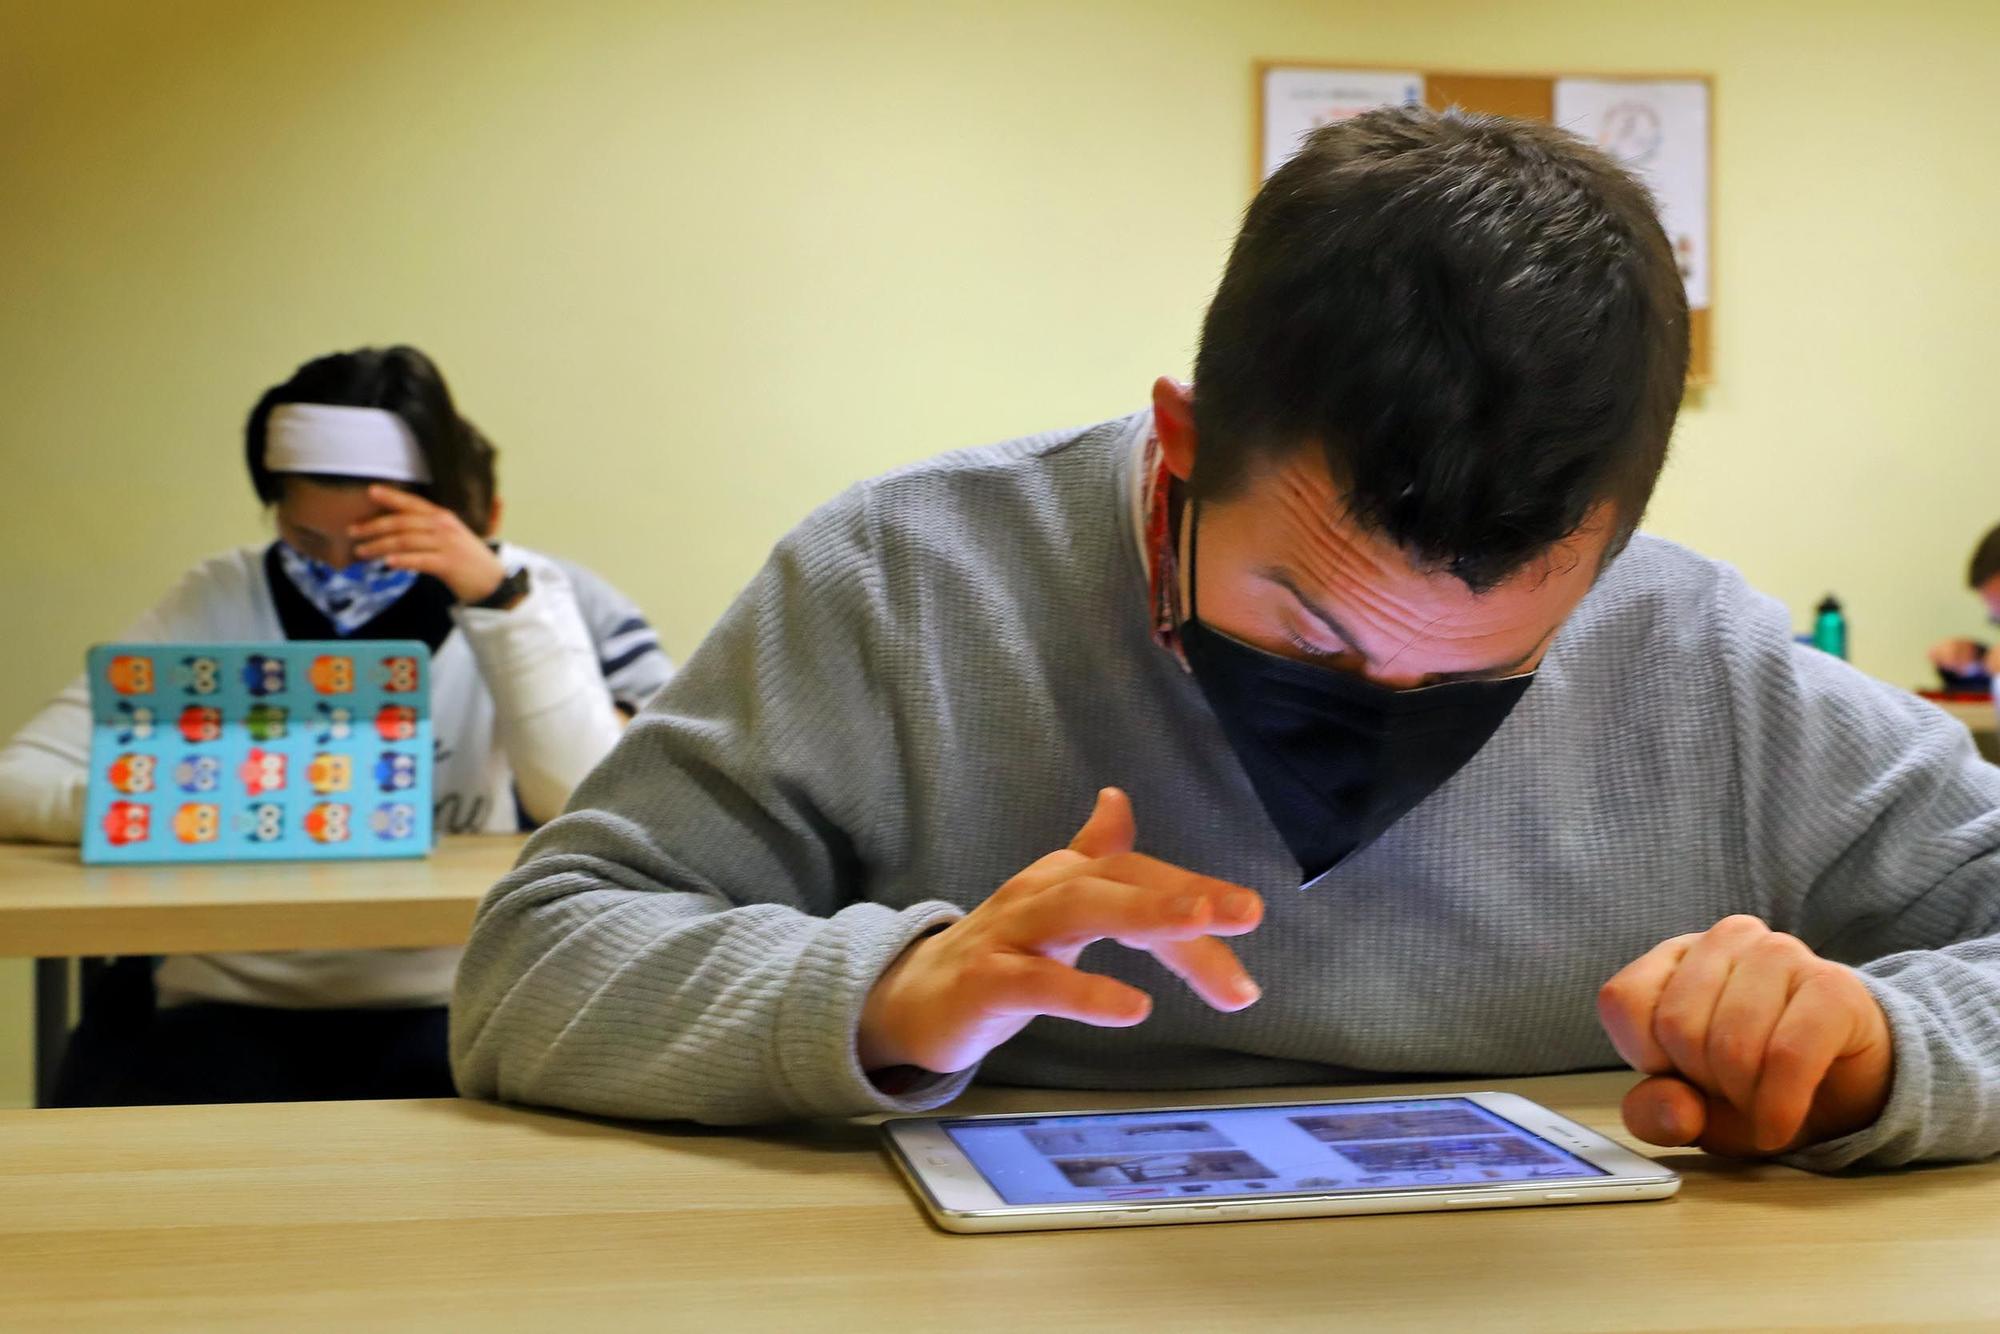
(923, 689)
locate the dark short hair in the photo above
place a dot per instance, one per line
(401, 380)
(1985, 560)
(1477, 318)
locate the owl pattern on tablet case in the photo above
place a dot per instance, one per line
(305, 750)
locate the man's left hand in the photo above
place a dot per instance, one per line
(1754, 1044)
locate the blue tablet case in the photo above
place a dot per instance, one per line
(299, 750)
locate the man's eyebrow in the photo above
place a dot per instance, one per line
(1283, 579)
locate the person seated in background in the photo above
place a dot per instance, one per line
(1968, 664)
(1407, 755)
(382, 496)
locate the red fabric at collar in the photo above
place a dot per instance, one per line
(1162, 555)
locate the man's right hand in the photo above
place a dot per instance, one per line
(1957, 656)
(956, 995)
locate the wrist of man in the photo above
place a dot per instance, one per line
(873, 1046)
(1898, 1132)
(818, 1016)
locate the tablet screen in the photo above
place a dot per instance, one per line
(1253, 1152)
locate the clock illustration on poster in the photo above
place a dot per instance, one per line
(1632, 133)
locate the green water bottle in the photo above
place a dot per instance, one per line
(1830, 627)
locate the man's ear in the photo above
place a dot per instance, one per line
(1173, 422)
(493, 519)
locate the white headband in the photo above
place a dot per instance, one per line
(343, 442)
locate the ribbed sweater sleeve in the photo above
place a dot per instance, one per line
(689, 942)
(1873, 827)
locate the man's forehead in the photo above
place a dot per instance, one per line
(1310, 533)
(1372, 595)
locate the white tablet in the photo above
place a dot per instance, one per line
(1266, 1160)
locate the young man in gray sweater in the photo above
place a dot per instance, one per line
(1393, 750)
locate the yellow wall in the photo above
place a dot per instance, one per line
(696, 266)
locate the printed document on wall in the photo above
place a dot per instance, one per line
(1300, 99)
(1659, 130)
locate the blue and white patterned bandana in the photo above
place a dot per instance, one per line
(350, 598)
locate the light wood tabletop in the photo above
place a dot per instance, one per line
(52, 905)
(460, 1215)
(53, 908)
(1978, 715)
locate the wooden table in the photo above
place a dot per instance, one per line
(407, 1215)
(54, 908)
(1978, 715)
(1980, 718)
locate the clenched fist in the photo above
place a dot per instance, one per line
(1754, 1044)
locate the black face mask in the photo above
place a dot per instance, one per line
(1336, 759)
